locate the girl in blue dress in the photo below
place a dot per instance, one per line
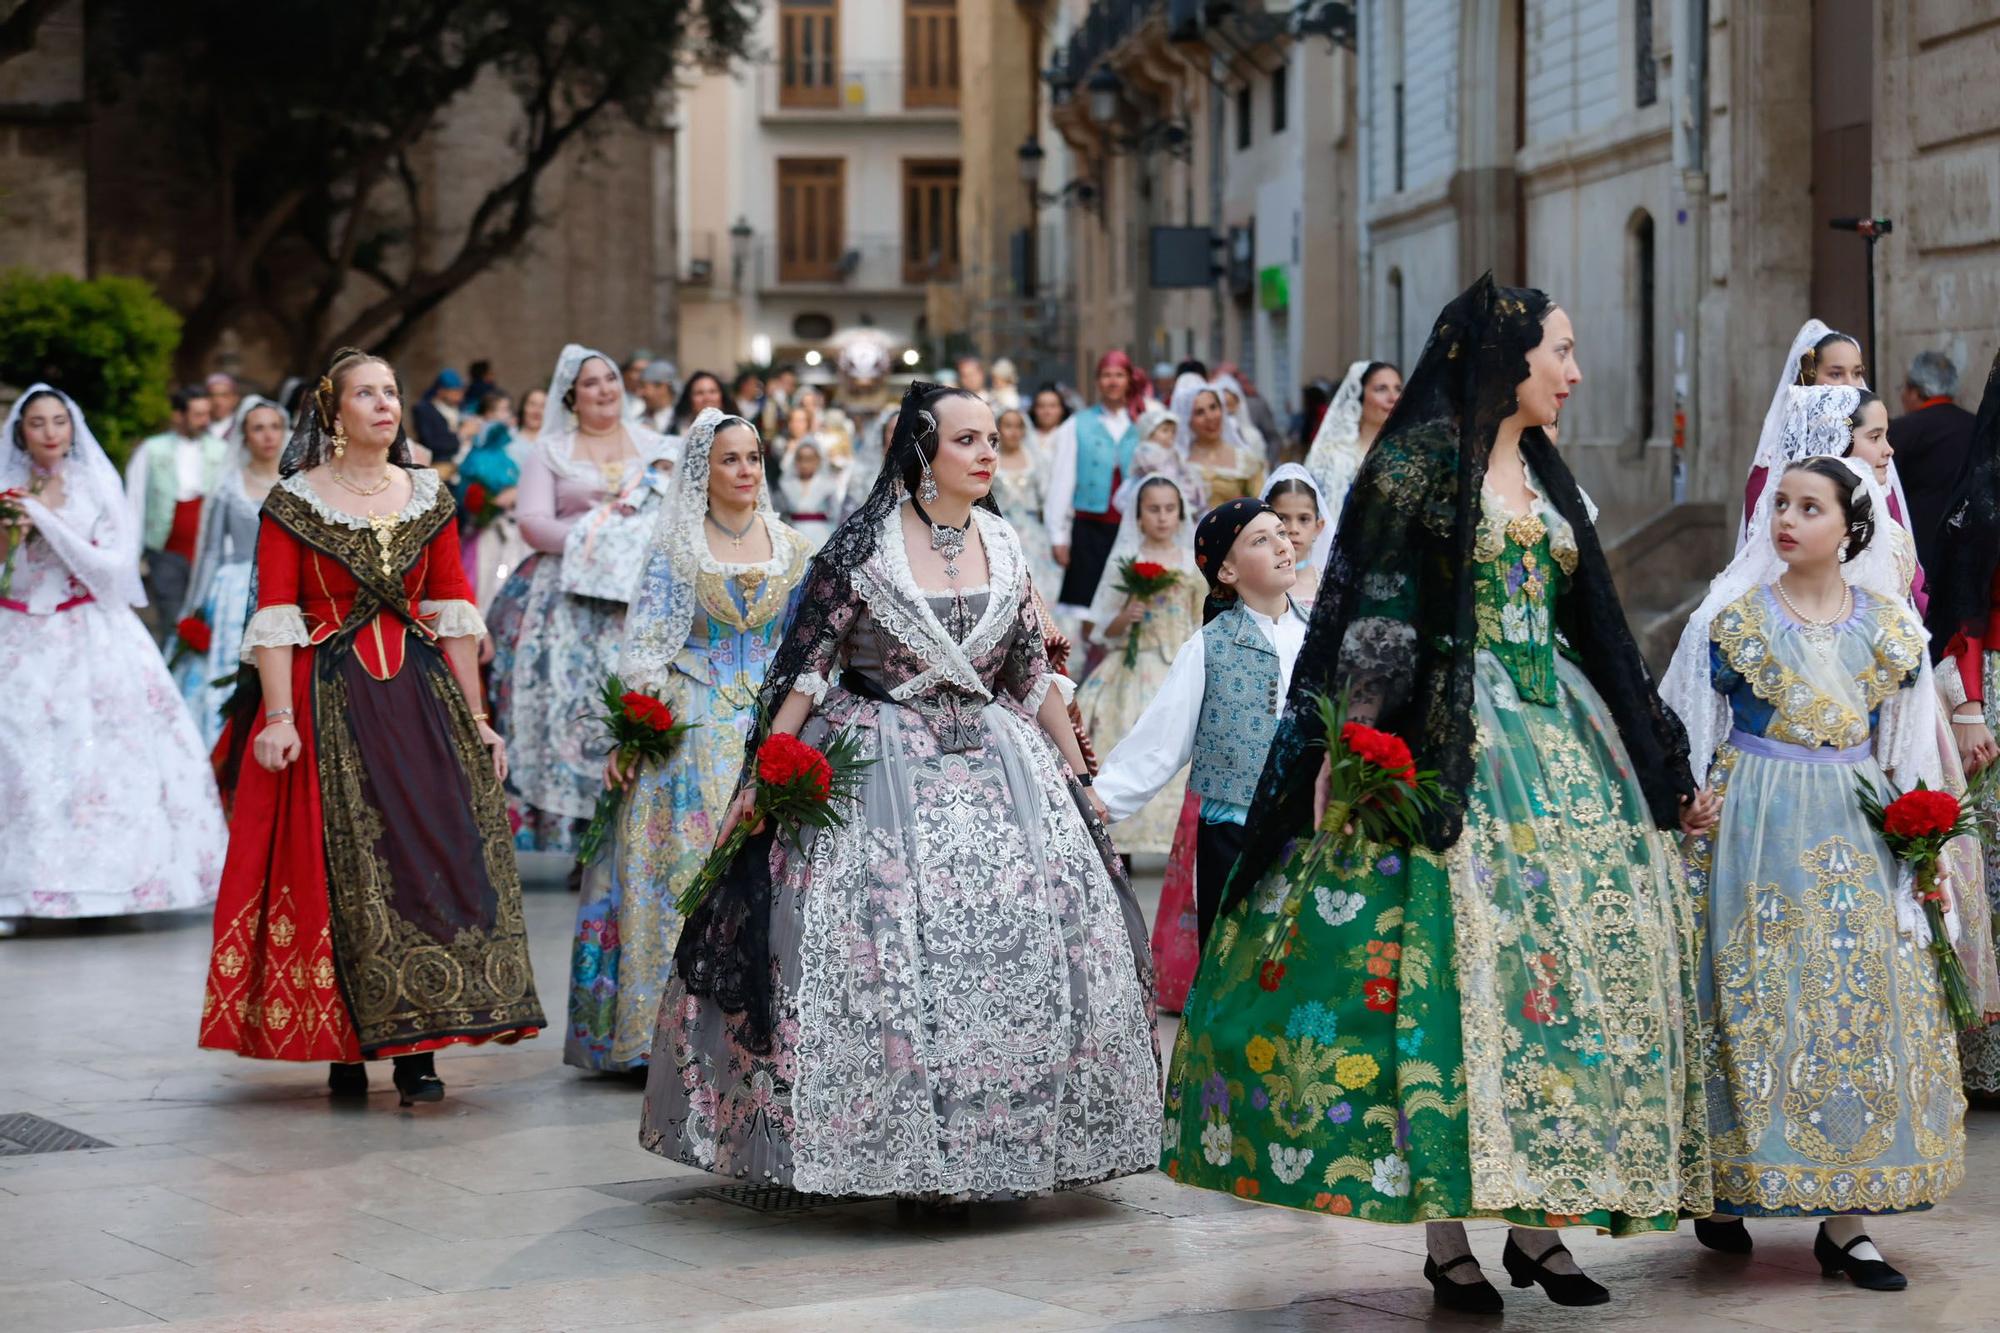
(1833, 1081)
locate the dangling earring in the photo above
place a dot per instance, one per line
(339, 439)
(927, 491)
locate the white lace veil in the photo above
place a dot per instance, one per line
(1336, 453)
(1323, 545)
(1906, 740)
(1770, 437)
(93, 494)
(1108, 601)
(557, 437)
(1186, 389)
(208, 555)
(239, 450)
(663, 610)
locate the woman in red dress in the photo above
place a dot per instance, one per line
(370, 903)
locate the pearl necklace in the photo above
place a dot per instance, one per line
(1818, 633)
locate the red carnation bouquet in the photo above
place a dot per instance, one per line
(479, 506)
(640, 727)
(1142, 580)
(1917, 825)
(797, 786)
(1375, 795)
(12, 512)
(192, 636)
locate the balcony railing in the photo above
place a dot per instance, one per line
(870, 263)
(855, 91)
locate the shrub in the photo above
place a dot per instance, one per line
(106, 342)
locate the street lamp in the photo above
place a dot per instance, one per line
(1030, 156)
(1104, 87)
(739, 251)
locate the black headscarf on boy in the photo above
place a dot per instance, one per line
(1214, 537)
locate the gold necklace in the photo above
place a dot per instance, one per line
(376, 489)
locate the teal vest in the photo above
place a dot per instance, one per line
(1100, 460)
(1239, 708)
(163, 480)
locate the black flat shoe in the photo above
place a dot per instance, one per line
(1562, 1288)
(1869, 1274)
(417, 1080)
(347, 1080)
(1722, 1237)
(1470, 1297)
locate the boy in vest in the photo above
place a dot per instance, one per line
(1220, 702)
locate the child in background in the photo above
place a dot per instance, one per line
(1295, 498)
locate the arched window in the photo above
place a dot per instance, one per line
(1644, 304)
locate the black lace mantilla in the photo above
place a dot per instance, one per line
(1960, 577)
(1394, 617)
(724, 951)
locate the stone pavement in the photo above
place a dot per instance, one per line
(233, 1197)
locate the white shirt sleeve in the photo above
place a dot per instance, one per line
(1062, 482)
(1161, 742)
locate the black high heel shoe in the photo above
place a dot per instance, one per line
(345, 1081)
(1722, 1237)
(1870, 1274)
(1470, 1297)
(1562, 1288)
(417, 1080)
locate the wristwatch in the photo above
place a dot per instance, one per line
(1083, 779)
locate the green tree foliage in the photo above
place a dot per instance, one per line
(108, 343)
(305, 123)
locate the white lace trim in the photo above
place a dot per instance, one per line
(274, 627)
(456, 619)
(812, 685)
(423, 491)
(1038, 692)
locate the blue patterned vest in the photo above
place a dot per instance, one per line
(1100, 460)
(1239, 708)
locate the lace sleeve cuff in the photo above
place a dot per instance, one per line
(1038, 690)
(812, 685)
(454, 619)
(274, 627)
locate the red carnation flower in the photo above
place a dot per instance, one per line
(1379, 993)
(1382, 749)
(194, 632)
(1149, 569)
(646, 710)
(475, 497)
(1921, 814)
(784, 759)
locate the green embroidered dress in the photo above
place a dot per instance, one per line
(1508, 1030)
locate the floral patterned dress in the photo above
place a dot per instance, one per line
(626, 925)
(1507, 1029)
(1833, 1082)
(962, 979)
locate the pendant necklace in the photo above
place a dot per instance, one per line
(946, 539)
(735, 537)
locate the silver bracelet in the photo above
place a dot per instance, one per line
(278, 714)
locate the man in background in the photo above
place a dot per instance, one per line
(165, 482)
(434, 420)
(225, 399)
(656, 397)
(1932, 440)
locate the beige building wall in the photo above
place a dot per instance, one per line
(870, 128)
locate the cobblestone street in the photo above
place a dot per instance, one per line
(232, 1197)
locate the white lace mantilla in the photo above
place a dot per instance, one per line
(902, 609)
(424, 485)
